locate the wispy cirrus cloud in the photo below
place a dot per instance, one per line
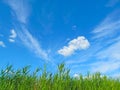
(108, 27)
(2, 44)
(22, 11)
(105, 66)
(107, 33)
(32, 44)
(109, 59)
(103, 55)
(20, 8)
(12, 36)
(112, 52)
(79, 43)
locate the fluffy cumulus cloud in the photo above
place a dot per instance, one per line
(12, 36)
(79, 43)
(2, 44)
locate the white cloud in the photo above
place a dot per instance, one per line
(11, 40)
(31, 43)
(77, 76)
(112, 52)
(21, 9)
(104, 52)
(107, 34)
(12, 36)
(2, 44)
(109, 59)
(108, 27)
(105, 66)
(76, 44)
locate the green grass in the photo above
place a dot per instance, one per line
(21, 79)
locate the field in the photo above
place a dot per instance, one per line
(22, 79)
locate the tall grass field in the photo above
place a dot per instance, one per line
(22, 79)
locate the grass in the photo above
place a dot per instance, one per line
(21, 79)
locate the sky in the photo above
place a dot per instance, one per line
(84, 34)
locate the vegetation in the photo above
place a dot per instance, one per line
(21, 79)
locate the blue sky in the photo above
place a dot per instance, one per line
(85, 34)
